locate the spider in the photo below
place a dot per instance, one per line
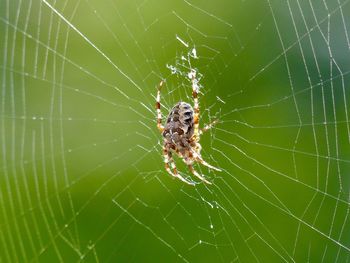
(181, 133)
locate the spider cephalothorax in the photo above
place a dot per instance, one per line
(181, 133)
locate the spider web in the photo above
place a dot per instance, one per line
(82, 174)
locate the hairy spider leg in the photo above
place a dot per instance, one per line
(195, 105)
(208, 127)
(169, 160)
(195, 173)
(200, 160)
(159, 113)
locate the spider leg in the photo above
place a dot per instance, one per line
(169, 160)
(176, 174)
(159, 113)
(208, 127)
(195, 173)
(200, 160)
(195, 89)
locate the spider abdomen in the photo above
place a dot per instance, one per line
(179, 123)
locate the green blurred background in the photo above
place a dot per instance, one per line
(82, 174)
